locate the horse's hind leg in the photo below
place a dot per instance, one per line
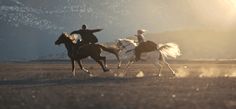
(163, 62)
(157, 64)
(103, 67)
(97, 59)
(103, 58)
(160, 69)
(168, 65)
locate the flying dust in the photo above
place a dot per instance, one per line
(213, 71)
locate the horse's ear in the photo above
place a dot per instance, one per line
(66, 34)
(118, 41)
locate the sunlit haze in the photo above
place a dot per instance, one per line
(29, 28)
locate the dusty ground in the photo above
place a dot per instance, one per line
(51, 86)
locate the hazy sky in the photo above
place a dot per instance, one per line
(29, 27)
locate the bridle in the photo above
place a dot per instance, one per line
(125, 46)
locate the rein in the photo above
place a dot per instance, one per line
(129, 51)
(124, 46)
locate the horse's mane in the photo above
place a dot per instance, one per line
(73, 37)
(125, 39)
(128, 40)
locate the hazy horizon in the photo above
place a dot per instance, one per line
(29, 27)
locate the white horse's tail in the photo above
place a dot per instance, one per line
(169, 50)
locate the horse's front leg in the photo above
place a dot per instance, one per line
(130, 62)
(118, 58)
(81, 67)
(73, 66)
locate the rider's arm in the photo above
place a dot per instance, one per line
(96, 30)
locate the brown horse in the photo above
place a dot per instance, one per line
(77, 53)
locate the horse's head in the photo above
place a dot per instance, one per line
(62, 38)
(124, 43)
(119, 43)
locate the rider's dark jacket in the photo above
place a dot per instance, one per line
(87, 35)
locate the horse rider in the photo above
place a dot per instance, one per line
(87, 35)
(140, 35)
(141, 46)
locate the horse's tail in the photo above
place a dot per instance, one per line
(112, 50)
(169, 50)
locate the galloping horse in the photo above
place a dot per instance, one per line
(77, 53)
(149, 50)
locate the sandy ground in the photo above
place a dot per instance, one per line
(52, 86)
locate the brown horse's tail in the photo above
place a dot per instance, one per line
(112, 50)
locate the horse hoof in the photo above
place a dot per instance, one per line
(106, 70)
(173, 75)
(73, 74)
(85, 70)
(91, 75)
(119, 67)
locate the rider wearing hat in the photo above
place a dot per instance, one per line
(140, 35)
(141, 46)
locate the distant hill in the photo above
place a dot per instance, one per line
(29, 28)
(194, 44)
(200, 44)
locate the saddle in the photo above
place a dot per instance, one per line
(144, 47)
(93, 38)
(147, 46)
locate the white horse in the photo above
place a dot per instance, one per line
(156, 56)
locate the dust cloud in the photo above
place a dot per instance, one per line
(185, 71)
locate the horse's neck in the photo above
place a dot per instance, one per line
(133, 43)
(130, 46)
(69, 45)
